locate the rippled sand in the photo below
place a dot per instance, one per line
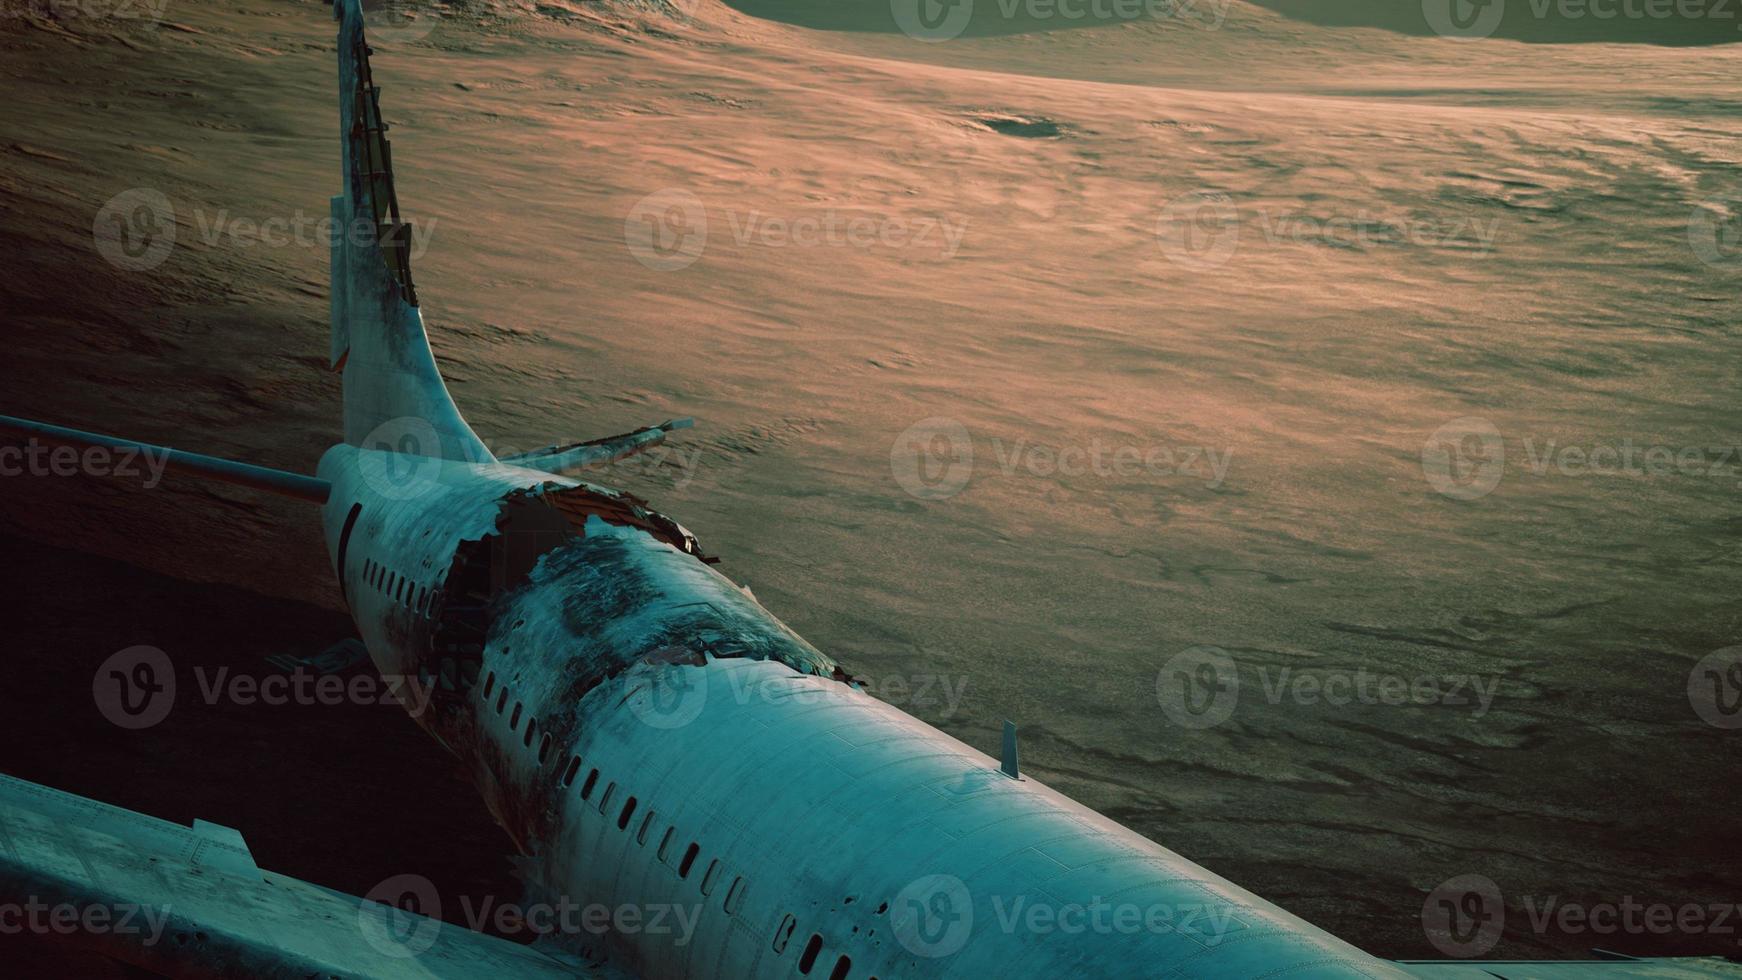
(1230, 278)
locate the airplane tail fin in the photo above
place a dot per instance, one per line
(395, 398)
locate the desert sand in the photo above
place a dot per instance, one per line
(1267, 258)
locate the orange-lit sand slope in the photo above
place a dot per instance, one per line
(1269, 258)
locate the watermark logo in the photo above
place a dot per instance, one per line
(1715, 233)
(1198, 688)
(1464, 459)
(148, 11)
(1464, 916)
(1715, 688)
(1463, 20)
(401, 458)
(135, 687)
(135, 230)
(37, 917)
(932, 21)
(396, 21)
(1205, 924)
(672, 691)
(667, 230)
(933, 916)
(401, 917)
(300, 229)
(1199, 231)
(933, 458)
(1201, 687)
(36, 458)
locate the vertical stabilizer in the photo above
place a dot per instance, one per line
(394, 395)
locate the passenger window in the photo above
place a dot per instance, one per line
(689, 858)
(502, 700)
(809, 959)
(665, 844)
(605, 800)
(784, 933)
(489, 684)
(531, 729)
(734, 895)
(569, 773)
(514, 719)
(708, 878)
(646, 823)
(628, 811)
(544, 749)
(587, 787)
(842, 967)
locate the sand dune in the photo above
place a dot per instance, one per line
(1270, 258)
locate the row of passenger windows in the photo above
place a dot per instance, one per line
(686, 863)
(624, 813)
(397, 587)
(813, 948)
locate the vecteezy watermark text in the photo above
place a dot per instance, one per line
(1466, 916)
(941, 20)
(35, 458)
(37, 917)
(934, 459)
(414, 919)
(1467, 458)
(1201, 688)
(670, 229)
(137, 688)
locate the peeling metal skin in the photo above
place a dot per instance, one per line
(650, 736)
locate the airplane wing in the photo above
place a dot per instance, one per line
(1613, 968)
(595, 452)
(190, 902)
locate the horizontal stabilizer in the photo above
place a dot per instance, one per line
(296, 485)
(596, 452)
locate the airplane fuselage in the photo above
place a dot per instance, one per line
(653, 739)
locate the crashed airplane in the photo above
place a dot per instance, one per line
(647, 734)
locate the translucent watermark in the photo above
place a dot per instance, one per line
(1203, 231)
(1715, 233)
(670, 230)
(671, 692)
(1206, 923)
(402, 917)
(1464, 20)
(1467, 458)
(136, 230)
(35, 916)
(934, 459)
(933, 916)
(1466, 916)
(397, 21)
(942, 20)
(1477, 19)
(1715, 688)
(38, 459)
(139, 11)
(137, 688)
(1201, 688)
